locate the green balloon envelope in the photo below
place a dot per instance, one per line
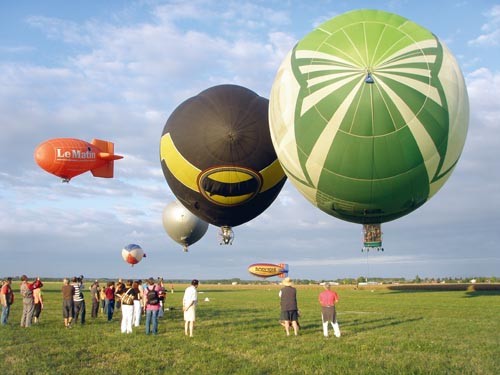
(368, 116)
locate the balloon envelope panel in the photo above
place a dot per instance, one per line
(369, 115)
(217, 156)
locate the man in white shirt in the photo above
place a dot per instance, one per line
(189, 303)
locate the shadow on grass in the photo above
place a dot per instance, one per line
(489, 293)
(494, 287)
(256, 318)
(359, 325)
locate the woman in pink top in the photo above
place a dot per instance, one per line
(327, 300)
(152, 304)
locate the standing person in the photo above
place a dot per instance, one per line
(327, 300)
(127, 302)
(152, 306)
(119, 289)
(79, 300)
(161, 295)
(6, 298)
(37, 300)
(95, 296)
(136, 285)
(28, 304)
(102, 297)
(67, 307)
(110, 299)
(289, 308)
(189, 302)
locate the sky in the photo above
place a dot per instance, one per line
(116, 70)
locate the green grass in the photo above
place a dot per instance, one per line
(237, 332)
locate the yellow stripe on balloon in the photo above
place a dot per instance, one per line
(231, 200)
(272, 175)
(230, 176)
(185, 172)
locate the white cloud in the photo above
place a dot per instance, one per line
(491, 29)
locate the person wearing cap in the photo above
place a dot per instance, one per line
(327, 300)
(289, 307)
(189, 302)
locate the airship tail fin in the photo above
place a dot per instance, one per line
(107, 153)
(105, 171)
(284, 267)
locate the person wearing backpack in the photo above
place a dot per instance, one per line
(152, 306)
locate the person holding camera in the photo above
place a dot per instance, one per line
(78, 299)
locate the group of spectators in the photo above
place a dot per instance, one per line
(133, 297)
(136, 299)
(290, 310)
(32, 298)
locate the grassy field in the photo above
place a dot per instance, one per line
(237, 332)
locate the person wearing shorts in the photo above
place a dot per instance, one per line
(68, 305)
(289, 308)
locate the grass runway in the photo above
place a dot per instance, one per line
(237, 332)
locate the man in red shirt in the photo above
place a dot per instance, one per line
(6, 299)
(327, 300)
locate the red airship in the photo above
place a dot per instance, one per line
(69, 157)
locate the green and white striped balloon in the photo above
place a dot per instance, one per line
(369, 115)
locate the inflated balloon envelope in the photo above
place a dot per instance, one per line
(218, 159)
(182, 225)
(132, 254)
(368, 116)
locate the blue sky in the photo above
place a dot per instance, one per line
(116, 70)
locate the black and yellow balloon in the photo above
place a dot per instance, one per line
(217, 156)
